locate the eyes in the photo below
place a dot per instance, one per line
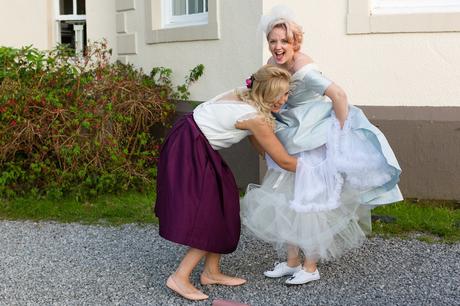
(283, 41)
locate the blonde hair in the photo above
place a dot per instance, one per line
(269, 84)
(294, 32)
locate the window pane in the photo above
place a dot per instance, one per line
(192, 6)
(66, 7)
(81, 7)
(206, 6)
(179, 7)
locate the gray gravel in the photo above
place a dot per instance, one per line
(73, 264)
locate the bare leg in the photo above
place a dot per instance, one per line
(293, 259)
(310, 265)
(213, 276)
(179, 281)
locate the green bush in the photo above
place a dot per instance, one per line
(80, 124)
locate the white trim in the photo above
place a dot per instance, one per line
(417, 6)
(156, 32)
(171, 21)
(363, 19)
(70, 17)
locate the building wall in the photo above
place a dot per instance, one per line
(25, 22)
(100, 22)
(228, 61)
(32, 22)
(407, 83)
(392, 69)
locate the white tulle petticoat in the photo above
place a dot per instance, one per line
(318, 208)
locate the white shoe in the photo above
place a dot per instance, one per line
(302, 277)
(282, 269)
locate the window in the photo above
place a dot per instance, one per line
(71, 23)
(399, 16)
(182, 20)
(185, 12)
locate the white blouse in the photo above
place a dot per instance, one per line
(216, 118)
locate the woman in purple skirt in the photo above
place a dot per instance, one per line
(197, 198)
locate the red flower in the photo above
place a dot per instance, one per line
(13, 123)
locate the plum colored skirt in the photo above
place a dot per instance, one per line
(197, 198)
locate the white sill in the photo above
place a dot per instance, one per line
(361, 20)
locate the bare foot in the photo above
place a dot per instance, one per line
(186, 290)
(220, 279)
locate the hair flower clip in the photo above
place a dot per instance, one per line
(250, 81)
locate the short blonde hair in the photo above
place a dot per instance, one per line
(293, 31)
(269, 84)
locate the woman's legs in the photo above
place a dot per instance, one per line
(212, 274)
(179, 281)
(293, 258)
(310, 265)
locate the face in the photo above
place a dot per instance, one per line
(280, 102)
(281, 49)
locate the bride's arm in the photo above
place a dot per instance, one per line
(339, 102)
(267, 140)
(256, 145)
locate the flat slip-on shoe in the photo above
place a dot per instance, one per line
(195, 295)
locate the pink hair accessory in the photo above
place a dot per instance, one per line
(249, 81)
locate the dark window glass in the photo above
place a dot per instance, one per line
(68, 34)
(192, 6)
(195, 6)
(178, 8)
(81, 7)
(66, 7)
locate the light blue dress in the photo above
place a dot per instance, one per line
(324, 208)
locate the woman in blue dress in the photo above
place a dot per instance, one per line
(345, 166)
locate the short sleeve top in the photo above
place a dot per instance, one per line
(216, 118)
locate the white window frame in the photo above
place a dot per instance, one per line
(159, 31)
(402, 16)
(70, 17)
(170, 21)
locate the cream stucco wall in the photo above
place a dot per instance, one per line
(407, 69)
(228, 60)
(33, 22)
(25, 22)
(100, 22)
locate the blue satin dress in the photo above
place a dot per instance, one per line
(323, 208)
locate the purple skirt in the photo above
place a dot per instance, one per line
(197, 197)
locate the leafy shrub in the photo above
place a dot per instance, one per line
(80, 125)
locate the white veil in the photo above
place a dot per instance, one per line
(277, 12)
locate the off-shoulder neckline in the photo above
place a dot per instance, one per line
(304, 69)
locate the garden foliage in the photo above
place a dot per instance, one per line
(80, 125)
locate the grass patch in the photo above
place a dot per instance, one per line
(120, 209)
(429, 221)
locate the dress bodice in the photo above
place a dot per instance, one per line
(308, 86)
(303, 123)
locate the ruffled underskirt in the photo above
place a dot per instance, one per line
(319, 208)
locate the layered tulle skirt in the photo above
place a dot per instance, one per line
(322, 208)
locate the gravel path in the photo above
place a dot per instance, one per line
(73, 264)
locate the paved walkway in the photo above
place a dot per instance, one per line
(72, 264)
